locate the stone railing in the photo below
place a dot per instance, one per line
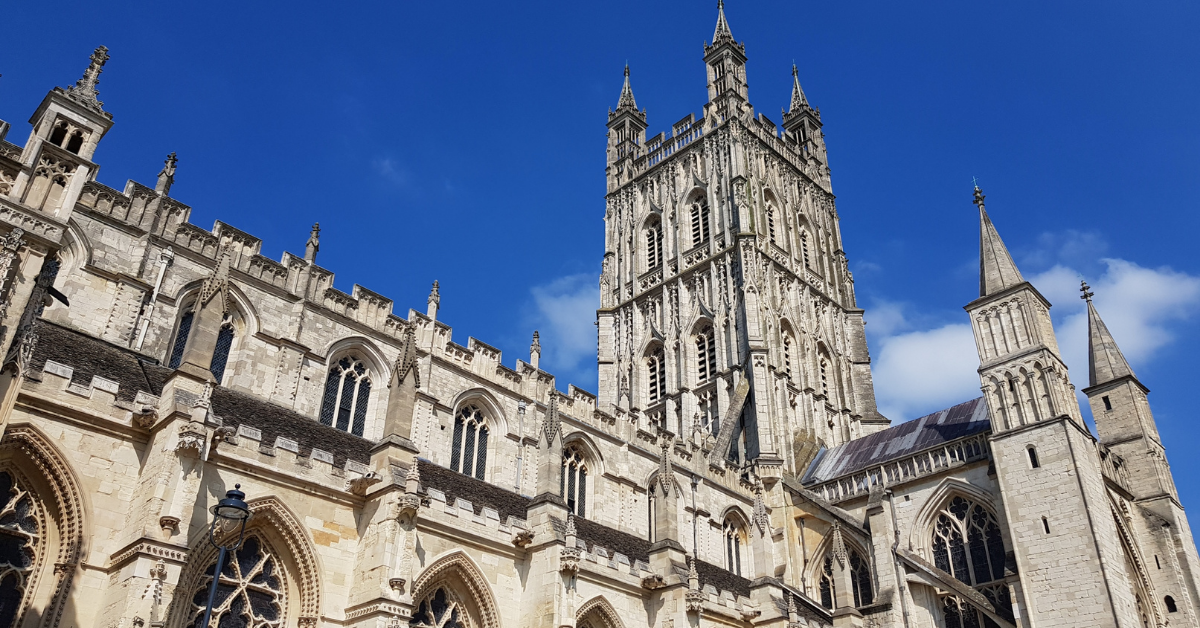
(920, 464)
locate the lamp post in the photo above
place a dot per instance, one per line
(229, 513)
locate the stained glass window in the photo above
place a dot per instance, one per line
(439, 609)
(249, 590)
(468, 451)
(221, 352)
(860, 579)
(347, 394)
(967, 542)
(20, 539)
(181, 336)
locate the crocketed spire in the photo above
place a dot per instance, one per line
(721, 33)
(997, 271)
(1105, 360)
(626, 101)
(84, 91)
(798, 100)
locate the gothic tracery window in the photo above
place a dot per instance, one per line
(440, 609)
(967, 542)
(250, 590)
(573, 487)
(468, 451)
(699, 216)
(860, 579)
(706, 354)
(347, 394)
(20, 542)
(656, 369)
(654, 245)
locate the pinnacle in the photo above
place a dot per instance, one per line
(84, 90)
(722, 32)
(798, 100)
(1105, 360)
(997, 271)
(626, 101)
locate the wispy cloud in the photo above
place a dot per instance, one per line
(564, 313)
(391, 171)
(922, 366)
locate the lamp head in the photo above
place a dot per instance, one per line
(233, 508)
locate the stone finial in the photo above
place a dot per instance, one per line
(435, 299)
(166, 177)
(552, 423)
(666, 472)
(839, 545)
(570, 531)
(978, 199)
(760, 517)
(406, 360)
(314, 244)
(84, 91)
(1087, 291)
(535, 350)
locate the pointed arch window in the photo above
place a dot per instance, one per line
(468, 451)
(967, 542)
(656, 367)
(654, 245)
(574, 479)
(699, 216)
(706, 354)
(860, 578)
(224, 345)
(440, 609)
(734, 535)
(347, 394)
(958, 613)
(250, 590)
(20, 545)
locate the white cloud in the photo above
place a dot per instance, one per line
(564, 312)
(391, 171)
(919, 370)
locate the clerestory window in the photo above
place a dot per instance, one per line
(347, 394)
(468, 451)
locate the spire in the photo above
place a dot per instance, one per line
(997, 271)
(722, 33)
(626, 102)
(314, 243)
(1105, 361)
(166, 178)
(798, 100)
(84, 90)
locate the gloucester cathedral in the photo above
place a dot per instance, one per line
(731, 470)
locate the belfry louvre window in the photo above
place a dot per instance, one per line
(787, 354)
(967, 542)
(347, 392)
(804, 246)
(249, 592)
(771, 223)
(699, 215)
(574, 480)
(20, 545)
(706, 354)
(860, 578)
(656, 367)
(654, 246)
(468, 452)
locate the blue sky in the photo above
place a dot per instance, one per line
(464, 142)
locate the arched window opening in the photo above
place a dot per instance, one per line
(656, 367)
(440, 609)
(250, 589)
(699, 215)
(771, 223)
(654, 245)
(20, 544)
(1169, 602)
(787, 353)
(221, 352)
(573, 487)
(706, 354)
(824, 377)
(860, 579)
(1033, 457)
(967, 542)
(468, 453)
(734, 538)
(959, 614)
(347, 392)
(76, 142)
(58, 136)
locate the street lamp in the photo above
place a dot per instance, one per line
(229, 513)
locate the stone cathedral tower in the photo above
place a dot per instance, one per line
(727, 309)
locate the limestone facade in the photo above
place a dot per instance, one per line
(732, 470)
